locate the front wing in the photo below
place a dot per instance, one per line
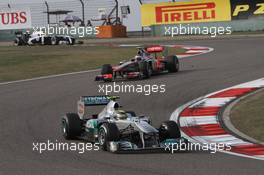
(164, 147)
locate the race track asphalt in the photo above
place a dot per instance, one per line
(31, 112)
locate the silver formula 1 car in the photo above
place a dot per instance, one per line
(116, 130)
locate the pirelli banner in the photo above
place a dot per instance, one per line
(185, 12)
(200, 11)
(247, 9)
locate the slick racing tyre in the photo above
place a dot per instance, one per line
(107, 70)
(73, 41)
(107, 132)
(68, 42)
(54, 40)
(172, 63)
(145, 69)
(17, 42)
(169, 130)
(71, 126)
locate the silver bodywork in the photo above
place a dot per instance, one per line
(137, 123)
(127, 126)
(117, 130)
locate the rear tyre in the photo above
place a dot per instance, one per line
(107, 132)
(169, 130)
(71, 126)
(107, 69)
(73, 41)
(173, 64)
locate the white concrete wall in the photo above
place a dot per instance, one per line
(133, 20)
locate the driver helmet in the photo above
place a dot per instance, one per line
(138, 58)
(140, 52)
(120, 115)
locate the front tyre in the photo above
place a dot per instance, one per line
(145, 69)
(107, 72)
(169, 130)
(54, 40)
(107, 132)
(71, 126)
(17, 42)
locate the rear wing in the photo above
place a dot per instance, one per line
(155, 49)
(93, 101)
(97, 100)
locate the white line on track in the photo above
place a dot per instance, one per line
(47, 77)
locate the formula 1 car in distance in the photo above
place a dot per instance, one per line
(116, 130)
(143, 65)
(39, 38)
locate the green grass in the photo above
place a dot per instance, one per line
(18, 63)
(248, 116)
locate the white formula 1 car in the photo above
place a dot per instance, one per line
(39, 38)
